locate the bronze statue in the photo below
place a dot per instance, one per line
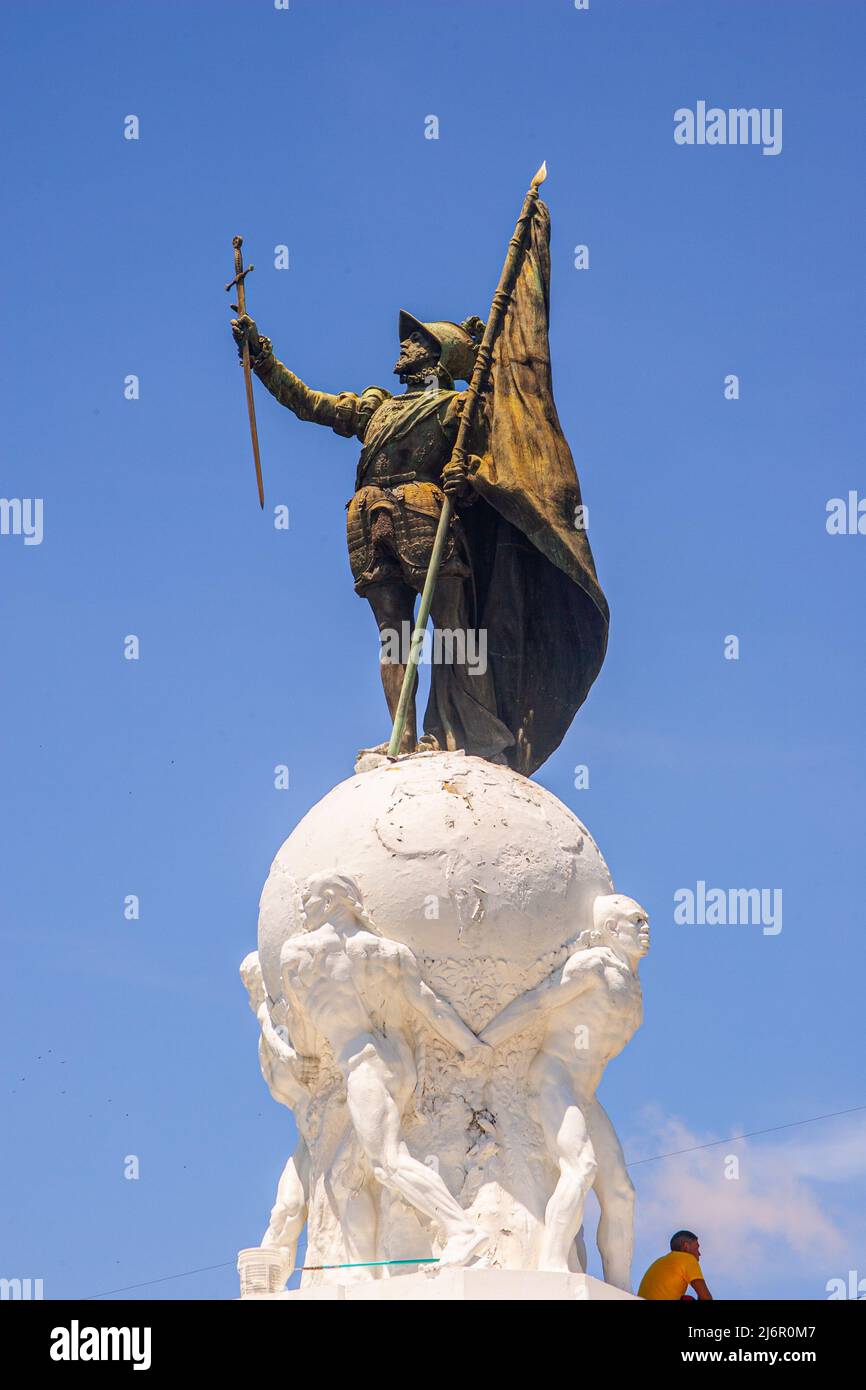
(513, 560)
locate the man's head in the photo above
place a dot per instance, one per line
(419, 356)
(440, 351)
(622, 924)
(251, 974)
(327, 893)
(686, 1241)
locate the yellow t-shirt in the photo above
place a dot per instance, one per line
(670, 1276)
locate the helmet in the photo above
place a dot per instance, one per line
(457, 343)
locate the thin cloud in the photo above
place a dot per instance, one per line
(781, 1206)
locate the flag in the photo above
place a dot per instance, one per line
(536, 590)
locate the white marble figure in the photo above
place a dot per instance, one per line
(591, 1008)
(288, 1075)
(365, 995)
(291, 1078)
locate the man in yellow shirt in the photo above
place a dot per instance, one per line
(668, 1278)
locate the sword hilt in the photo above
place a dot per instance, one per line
(240, 275)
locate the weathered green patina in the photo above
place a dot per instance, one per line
(514, 560)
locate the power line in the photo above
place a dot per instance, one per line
(751, 1135)
(164, 1280)
(675, 1153)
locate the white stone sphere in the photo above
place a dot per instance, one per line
(462, 860)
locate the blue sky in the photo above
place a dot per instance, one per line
(707, 517)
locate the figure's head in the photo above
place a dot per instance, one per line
(686, 1241)
(251, 974)
(326, 893)
(442, 350)
(622, 924)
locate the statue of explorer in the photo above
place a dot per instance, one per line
(517, 564)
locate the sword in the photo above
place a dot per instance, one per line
(241, 308)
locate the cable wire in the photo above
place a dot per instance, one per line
(675, 1153)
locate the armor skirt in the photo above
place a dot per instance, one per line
(390, 532)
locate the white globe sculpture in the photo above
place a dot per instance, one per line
(489, 880)
(478, 870)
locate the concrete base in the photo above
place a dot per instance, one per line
(463, 1285)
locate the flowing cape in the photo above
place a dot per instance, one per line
(537, 593)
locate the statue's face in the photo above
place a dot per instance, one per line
(317, 905)
(631, 930)
(417, 355)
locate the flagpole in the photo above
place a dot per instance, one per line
(480, 374)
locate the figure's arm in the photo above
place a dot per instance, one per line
(560, 987)
(289, 1074)
(442, 1018)
(281, 1050)
(700, 1288)
(346, 413)
(281, 1079)
(455, 474)
(279, 1062)
(251, 974)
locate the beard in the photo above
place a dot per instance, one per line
(414, 364)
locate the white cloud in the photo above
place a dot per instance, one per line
(785, 1212)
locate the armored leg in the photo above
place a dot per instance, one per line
(393, 604)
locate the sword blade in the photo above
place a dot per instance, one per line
(251, 410)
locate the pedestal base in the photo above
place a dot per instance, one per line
(463, 1286)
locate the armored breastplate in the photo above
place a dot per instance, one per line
(406, 441)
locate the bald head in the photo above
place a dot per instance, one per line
(623, 924)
